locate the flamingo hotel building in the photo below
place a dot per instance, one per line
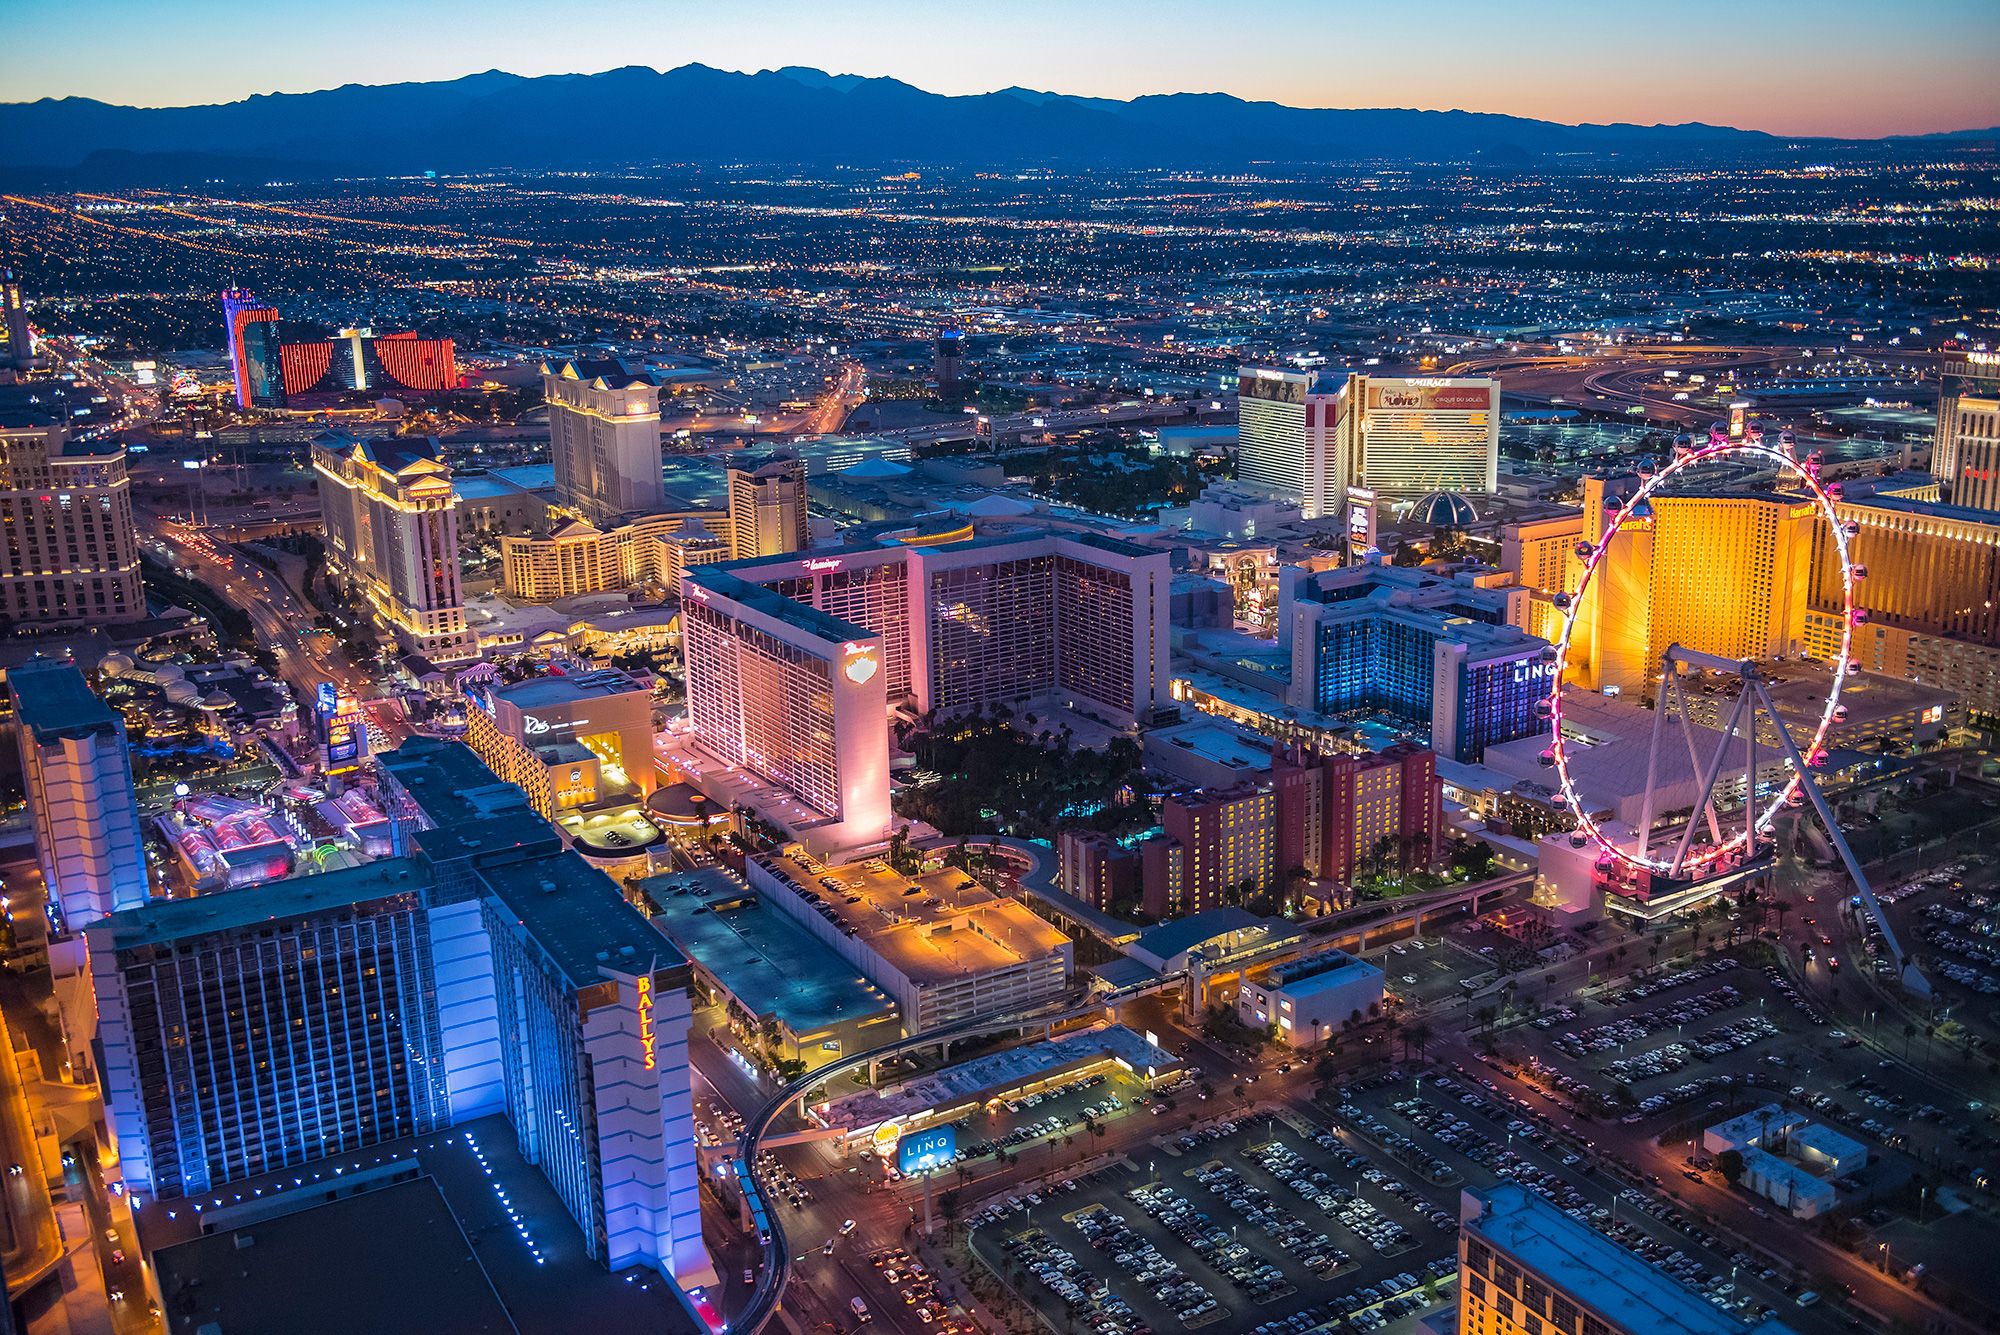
(793, 662)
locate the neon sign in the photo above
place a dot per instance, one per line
(645, 982)
(823, 563)
(861, 665)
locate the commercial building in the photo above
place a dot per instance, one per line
(269, 373)
(792, 661)
(1213, 847)
(1966, 453)
(1096, 868)
(604, 436)
(251, 1030)
(69, 551)
(944, 946)
(1788, 1159)
(17, 342)
(1428, 650)
(948, 360)
(579, 558)
(1932, 584)
(1341, 816)
(1037, 616)
(483, 970)
(1275, 449)
(392, 538)
(792, 694)
(580, 745)
(1725, 573)
(1526, 1268)
(1311, 998)
(76, 768)
(781, 986)
(879, 1116)
(360, 361)
(1314, 435)
(767, 507)
(255, 362)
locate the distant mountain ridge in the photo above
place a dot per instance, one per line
(638, 116)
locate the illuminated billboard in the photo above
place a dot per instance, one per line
(922, 1151)
(345, 729)
(1409, 396)
(1360, 520)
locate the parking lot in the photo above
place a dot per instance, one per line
(1264, 1226)
(1490, 1134)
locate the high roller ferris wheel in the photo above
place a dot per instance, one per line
(1735, 848)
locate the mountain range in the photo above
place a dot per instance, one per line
(637, 116)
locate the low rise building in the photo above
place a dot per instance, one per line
(1309, 999)
(1787, 1159)
(580, 745)
(944, 946)
(1096, 868)
(780, 985)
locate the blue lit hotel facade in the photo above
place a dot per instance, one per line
(481, 969)
(1434, 651)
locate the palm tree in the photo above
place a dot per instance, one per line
(1417, 1032)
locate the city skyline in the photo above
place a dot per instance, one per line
(717, 703)
(1842, 70)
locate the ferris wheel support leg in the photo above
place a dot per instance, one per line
(1694, 757)
(1653, 755)
(1705, 795)
(1912, 978)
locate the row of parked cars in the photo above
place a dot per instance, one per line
(1737, 1034)
(1638, 1028)
(1803, 1004)
(1406, 1151)
(1312, 1249)
(1087, 1297)
(1223, 1252)
(1357, 1215)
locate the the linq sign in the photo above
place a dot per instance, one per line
(921, 1151)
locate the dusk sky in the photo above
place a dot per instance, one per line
(1842, 67)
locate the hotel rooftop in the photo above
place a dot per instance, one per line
(932, 929)
(1623, 1289)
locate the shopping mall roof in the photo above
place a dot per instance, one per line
(56, 701)
(771, 965)
(392, 1260)
(1628, 1293)
(574, 913)
(165, 920)
(567, 688)
(448, 782)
